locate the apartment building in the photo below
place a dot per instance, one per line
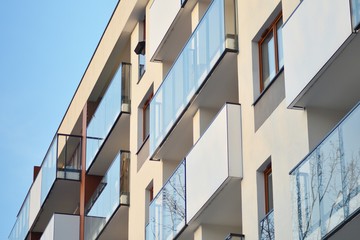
(209, 119)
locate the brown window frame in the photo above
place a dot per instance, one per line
(145, 107)
(272, 29)
(267, 173)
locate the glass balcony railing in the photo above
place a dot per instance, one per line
(21, 226)
(115, 100)
(215, 34)
(267, 228)
(63, 160)
(167, 210)
(111, 193)
(326, 184)
(355, 10)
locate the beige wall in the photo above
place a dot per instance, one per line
(281, 137)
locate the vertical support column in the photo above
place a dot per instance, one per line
(201, 121)
(83, 173)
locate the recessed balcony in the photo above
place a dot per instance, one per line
(184, 203)
(62, 226)
(205, 68)
(107, 210)
(326, 185)
(108, 130)
(321, 48)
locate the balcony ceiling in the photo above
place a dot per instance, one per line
(117, 227)
(64, 197)
(224, 209)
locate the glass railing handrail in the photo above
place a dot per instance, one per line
(267, 229)
(108, 111)
(191, 68)
(20, 232)
(168, 180)
(324, 139)
(167, 211)
(326, 186)
(112, 192)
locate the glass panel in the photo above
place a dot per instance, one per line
(355, 4)
(21, 226)
(351, 168)
(331, 192)
(112, 103)
(330, 184)
(167, 210)
(189, 71)
(112, 191)
(267, 230)
(268, 59)
(69, 157)
(270, 192)
(48, 170)
(280, 44)
(306, 200)
(142, 66)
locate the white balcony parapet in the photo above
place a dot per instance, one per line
(162, 14)
(62, 226)
(311, 37)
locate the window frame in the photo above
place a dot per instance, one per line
(267, 172)
(271, 29)
(144, 118)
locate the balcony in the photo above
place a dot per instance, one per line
(107, 212)
(320, 52)
(205, 67)
(21, 227)
(59, 178)
(326, 185)
(108, 130)
(62, 226)
(267, 228)
(185, 202)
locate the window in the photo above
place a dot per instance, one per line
(146, 118)
(140, 48)
(268, 189)
(271, 53)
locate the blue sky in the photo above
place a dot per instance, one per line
(45, 47)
